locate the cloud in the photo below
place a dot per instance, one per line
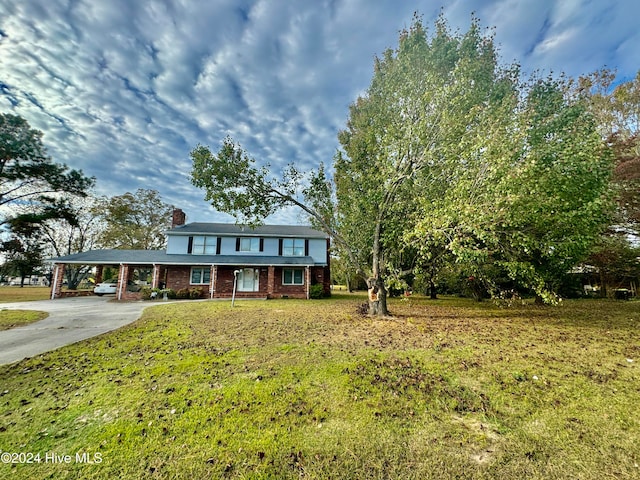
(124, 90)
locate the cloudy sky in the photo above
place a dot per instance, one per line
(124, 89)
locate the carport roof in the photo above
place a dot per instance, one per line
(161, 257)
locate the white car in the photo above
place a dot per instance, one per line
(102, 288)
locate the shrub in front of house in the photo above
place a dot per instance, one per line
(182, 294)
(317, 291)
(171, 294)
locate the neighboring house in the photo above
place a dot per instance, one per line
(270, 261)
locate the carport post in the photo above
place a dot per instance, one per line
(54, 285)
(123, 276)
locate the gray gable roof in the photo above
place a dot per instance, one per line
(151, 257)
(230, 229)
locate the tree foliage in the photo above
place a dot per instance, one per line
(617, 112)
(135, 220)
(29, 179)
(448, 154)
(428, 102)
(23, 256)
(61, 237)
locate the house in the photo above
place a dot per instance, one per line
(269, 261)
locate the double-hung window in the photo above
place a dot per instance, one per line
(293, 247)
(200, 275)
(292, 276)
(204, 245)
(249, 244)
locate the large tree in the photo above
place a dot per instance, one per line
(135, 220)
(23, 256)
(531, 196)
(29, 180)
(422, 97)
(63, 237)
(408, 139)
(615, 105)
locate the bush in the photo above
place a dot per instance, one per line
(182, 294)
(171, 294)
(195, 293)
(316, 291)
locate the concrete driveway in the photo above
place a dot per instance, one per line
(70, 320)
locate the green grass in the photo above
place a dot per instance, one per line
(23, 294)
(18, 318)
(290, 389)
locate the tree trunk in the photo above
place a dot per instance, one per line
(375, 284)
(377, 297)
(432, 290)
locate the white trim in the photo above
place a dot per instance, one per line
(55, 282)
(121, 281)
(255, 285)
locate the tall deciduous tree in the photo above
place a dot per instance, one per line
(413, 133)
(616, 109)
(23, 256)
(29, 177)
(135, 221)
(540, 198)
(62, 237)
(396, 139)
(617, 112)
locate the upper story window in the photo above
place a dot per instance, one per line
(204, 245)
(249, 244)
(293, 247)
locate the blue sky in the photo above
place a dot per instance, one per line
(125, 89)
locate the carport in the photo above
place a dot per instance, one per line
(125, 261)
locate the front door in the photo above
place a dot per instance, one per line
(249, 280)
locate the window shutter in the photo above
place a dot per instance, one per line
(238, 244)
(306, 247)
(280, 246)
(190, 245)
(218, 243)
(262, 244)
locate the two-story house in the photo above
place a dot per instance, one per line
(270, 261)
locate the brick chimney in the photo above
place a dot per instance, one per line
(178, 218)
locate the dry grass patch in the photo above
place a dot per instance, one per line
(290, 389)
(23, 294)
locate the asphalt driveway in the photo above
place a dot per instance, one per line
(70, 320)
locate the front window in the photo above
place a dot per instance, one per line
(200, 275)
(293, 276)
(293, 247)
(204, 245)
(249, 244)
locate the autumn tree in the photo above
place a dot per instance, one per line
(135, 221)
(530, 195)
(62, 237)
(616, 107)
(29, 179)
(423, 95)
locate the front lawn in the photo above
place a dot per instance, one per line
(23, 294)
(18, 318)
(308, 389)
